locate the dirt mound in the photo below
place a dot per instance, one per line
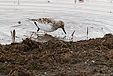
(58, 58)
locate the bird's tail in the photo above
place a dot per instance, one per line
(28, 19)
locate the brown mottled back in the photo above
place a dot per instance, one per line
(45, 20)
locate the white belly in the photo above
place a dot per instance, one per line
(45, 27)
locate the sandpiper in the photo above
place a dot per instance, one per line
(48, 24)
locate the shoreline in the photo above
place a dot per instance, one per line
(57, 57)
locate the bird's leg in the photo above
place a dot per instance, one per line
(37, 26)
(38, 29)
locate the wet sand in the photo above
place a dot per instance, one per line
(93, 57)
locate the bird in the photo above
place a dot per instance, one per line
(48, 24)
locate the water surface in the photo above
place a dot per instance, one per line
(97, 15)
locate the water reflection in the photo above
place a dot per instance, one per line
(44, 37)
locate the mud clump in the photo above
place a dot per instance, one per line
(58, 58)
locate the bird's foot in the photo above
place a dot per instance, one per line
(38, 29)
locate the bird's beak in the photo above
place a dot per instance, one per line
(64, 30)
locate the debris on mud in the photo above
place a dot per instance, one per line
(58, 58)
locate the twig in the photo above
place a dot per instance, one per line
(75, 1)
(72, 35)
(18, 2)
(13, 36)
(87, 32)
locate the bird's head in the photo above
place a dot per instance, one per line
(61, 25)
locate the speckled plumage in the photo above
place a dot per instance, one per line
(48, 24)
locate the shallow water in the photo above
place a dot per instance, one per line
(97, 15)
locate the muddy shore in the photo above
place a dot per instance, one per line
(93, 57)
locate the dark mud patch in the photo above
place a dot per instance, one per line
(92, 57)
